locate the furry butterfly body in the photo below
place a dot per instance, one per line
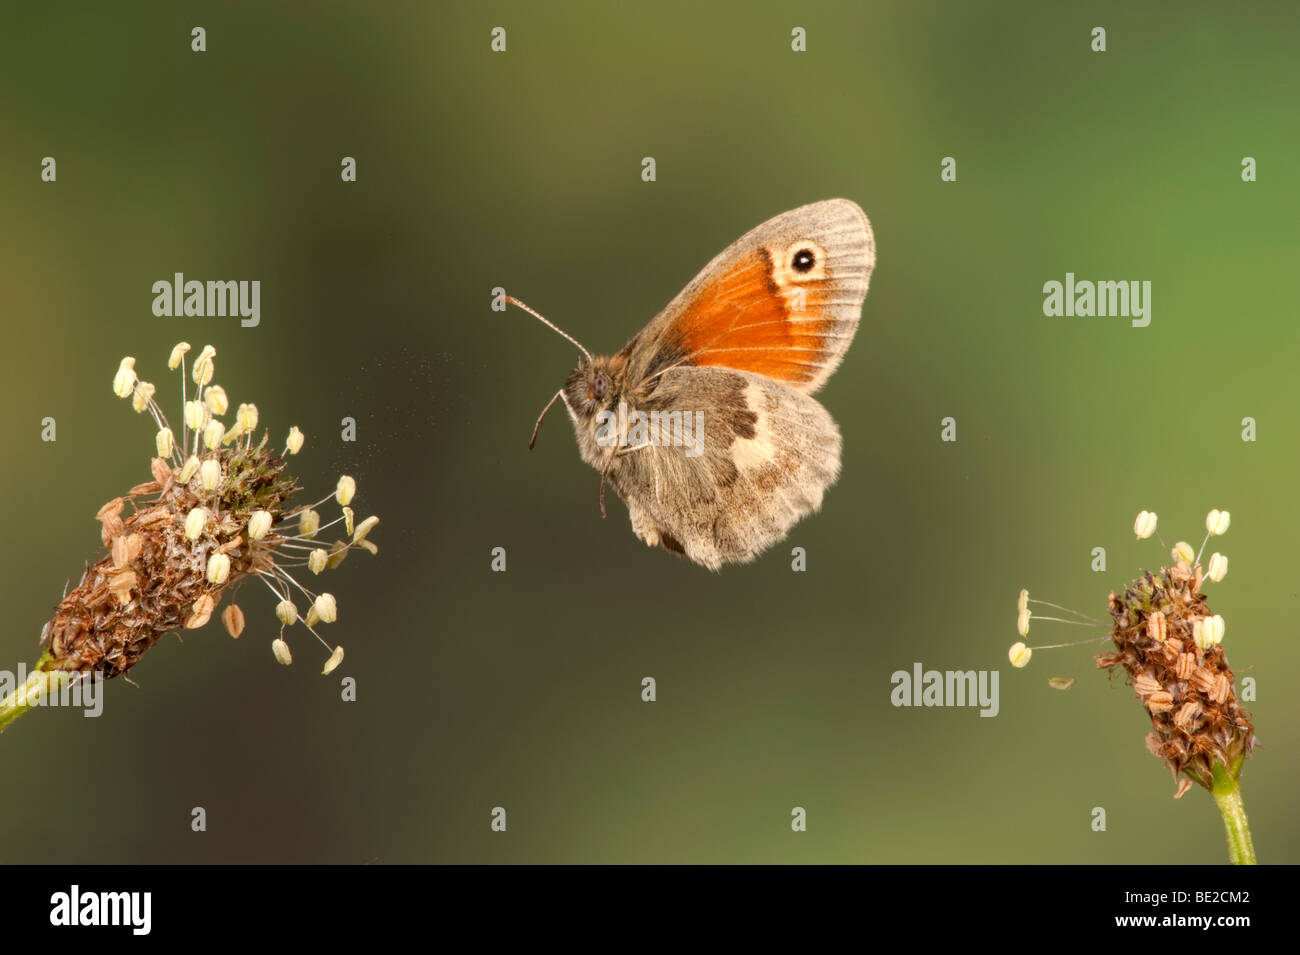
(736, 450)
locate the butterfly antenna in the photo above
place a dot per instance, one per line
(538, 426)
(549, 324)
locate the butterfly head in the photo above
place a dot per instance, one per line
(595, 385)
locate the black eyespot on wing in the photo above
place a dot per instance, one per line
(804, 261)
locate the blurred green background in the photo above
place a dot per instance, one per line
(522, 169)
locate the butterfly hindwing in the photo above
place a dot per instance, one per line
(766, 453)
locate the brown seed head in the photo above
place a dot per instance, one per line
(1196, 720)
(159, 575)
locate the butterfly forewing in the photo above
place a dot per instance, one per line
(783, 301)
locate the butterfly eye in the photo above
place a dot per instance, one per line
(600, 385)
(804, 260)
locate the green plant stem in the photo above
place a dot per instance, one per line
(39, 684)
(1227, 794)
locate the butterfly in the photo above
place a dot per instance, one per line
(704, 423)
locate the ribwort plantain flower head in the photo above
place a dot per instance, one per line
(1169, 642)
(215, 513)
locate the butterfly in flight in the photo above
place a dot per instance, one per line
(704, 423)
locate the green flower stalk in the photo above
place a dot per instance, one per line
(1169, 643)
(215, 513)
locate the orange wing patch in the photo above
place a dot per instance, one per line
(769, 315)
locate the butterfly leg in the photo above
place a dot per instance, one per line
(604, 477)
(538, 426)
(609, 466)
(643, 525)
